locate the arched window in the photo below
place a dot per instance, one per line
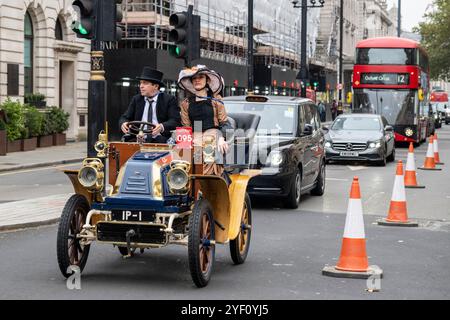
(28, 54)
(58, 30)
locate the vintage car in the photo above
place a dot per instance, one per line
(158, 195)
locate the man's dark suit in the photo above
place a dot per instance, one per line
(167, 112)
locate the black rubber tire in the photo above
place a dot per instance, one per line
(382, 163)
(76, 203)
(391, 157)
(238, 256)
(293, 199)
(319, 189)
(199, 276)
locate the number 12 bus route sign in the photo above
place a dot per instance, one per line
(385, 78)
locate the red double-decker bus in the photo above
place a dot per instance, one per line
(391, 78)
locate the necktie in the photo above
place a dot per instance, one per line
(150, 110)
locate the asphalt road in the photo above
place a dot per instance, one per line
(289, 248)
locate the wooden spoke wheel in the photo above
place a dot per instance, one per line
(201, 246)
(69, 250)
(239, 247)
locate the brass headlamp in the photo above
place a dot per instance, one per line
(91, 175)
(101, 145)
(178, 176)
(209, 149)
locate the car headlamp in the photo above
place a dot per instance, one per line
(91, 174)
(328, 144)
(178, 176)
(375, 144)
(409, 132)
(275, 158)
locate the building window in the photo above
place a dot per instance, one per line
(58, 30)
(28, 54)
(82, 120)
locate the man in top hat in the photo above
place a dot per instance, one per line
(153, 106)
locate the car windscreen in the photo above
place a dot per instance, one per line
(279, 117)
(357, 123)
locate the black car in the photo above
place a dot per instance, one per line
(288, 147)
(360, 137)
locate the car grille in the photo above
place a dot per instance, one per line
(348, 146)
(145, 233)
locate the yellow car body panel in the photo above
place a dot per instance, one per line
(237, 192)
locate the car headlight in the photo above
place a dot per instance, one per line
(178, 176)
(328, 144)
(91, 174)
(375, 144)
(409, 132)
(275, 158)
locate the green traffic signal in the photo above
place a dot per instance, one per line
(78, 28)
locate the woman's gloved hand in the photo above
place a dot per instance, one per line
(222, 145)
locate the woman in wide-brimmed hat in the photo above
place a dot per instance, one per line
(204, 106)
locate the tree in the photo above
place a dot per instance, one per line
(435, 32)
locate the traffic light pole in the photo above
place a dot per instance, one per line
(251, 81)
(341, 44)
(303, 65)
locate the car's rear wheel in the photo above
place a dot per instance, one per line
(201, 246)
(293, 199)
(69, 250)
(319, 189)
(239, 247)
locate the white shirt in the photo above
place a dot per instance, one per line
(146, 110)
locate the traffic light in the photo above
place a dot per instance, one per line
(110, 13)
(85, 19)
(185, 35)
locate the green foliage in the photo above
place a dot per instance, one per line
(34, 97)
(33, 121)
(58, 120)
(15, 128)
(2, 125)
(435, 33)
(47, 128)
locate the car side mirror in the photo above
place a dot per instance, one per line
(308, 130)
(389, 128)
(325, 128)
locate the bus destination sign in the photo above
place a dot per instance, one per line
(385, 78)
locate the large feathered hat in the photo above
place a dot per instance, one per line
(214, 80)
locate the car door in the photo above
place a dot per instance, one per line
(317, 150)
(308, 142)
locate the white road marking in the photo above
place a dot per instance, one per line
(38, 169)
(356, 168)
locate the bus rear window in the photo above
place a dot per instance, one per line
(400, 56)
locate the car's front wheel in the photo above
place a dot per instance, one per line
(201, 246)
(70, 253)
(391, 157)
(293, 198)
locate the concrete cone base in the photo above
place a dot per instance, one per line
(371, 271)
(431, 169)
(384, 222)
(415, 187)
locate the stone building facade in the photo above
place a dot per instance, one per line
(39, 53)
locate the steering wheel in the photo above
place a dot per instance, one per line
(135, 126)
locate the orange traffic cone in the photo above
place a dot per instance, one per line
(429, 163)
(410, 172)
(353, 262)
(436, 150)
(398, 215)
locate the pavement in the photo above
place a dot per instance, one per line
(72, 152)
(45, 210)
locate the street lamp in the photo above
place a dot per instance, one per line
(303, 75)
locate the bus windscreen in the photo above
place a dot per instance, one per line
(383, 56)
(397, 106)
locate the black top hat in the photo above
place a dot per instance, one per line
(151, 75)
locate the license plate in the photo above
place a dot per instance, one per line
(132, 215)
(349, 154)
